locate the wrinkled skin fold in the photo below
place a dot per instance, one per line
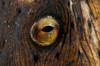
(79, 45)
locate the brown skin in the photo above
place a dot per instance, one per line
(79, 45)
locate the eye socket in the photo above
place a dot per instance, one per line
(45, 31)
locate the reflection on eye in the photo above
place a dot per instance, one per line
(45, 31)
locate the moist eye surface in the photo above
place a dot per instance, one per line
(45, 31)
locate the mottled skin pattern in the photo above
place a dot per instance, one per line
(79, 45)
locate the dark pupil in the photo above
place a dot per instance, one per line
(47, 29)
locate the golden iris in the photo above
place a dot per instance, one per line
(45, 31)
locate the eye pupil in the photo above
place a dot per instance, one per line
(47, 28)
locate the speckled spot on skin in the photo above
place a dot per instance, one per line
(27, 1)
(8, 26)
(71, 3)
(16, 23)
(85, 10)
(5, 41)
(5, 21)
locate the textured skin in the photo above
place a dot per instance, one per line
(79, 44)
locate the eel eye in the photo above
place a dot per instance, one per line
(45, 31)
